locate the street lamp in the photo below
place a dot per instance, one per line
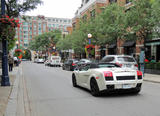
(89, 38)
(5, 77)
(17, 44)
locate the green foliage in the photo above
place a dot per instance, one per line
(112, 24)
(151, 65)
(11, 44)
(14, 8)
(116, 22)
(44, 41)
(139, 18)
(26, 54)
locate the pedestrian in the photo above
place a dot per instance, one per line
(10, 62)
(153, 59)
(142, 59)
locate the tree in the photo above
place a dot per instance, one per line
(11, 44)
(156, 16)
(14, 8)
(111, 24)
(44, 41)
(139, 18)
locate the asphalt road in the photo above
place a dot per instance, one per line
(51, 93)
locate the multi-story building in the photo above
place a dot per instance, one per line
(36, 25)
(90, 8)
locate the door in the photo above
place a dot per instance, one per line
(84, 74)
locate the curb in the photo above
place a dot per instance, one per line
(12, 103)
(153, 81)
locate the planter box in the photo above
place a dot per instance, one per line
(152, 71)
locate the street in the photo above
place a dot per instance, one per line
(50, 93)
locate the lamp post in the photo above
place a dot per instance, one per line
(89, 49)
(89, 38)
(5, 77)
(17, 44)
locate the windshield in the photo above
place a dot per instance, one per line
(126, 59)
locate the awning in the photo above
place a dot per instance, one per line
(129, 43)
(112, 46)
(153, 43)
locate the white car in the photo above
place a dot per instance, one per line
(56, 61)
(105, 77)
(124, 61)
(40, 60)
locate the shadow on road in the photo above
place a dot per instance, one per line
(117, 93)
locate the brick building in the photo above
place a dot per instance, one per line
(90, 8)
(36, 25)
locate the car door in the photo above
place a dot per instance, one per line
(84, 74)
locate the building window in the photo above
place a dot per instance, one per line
(93, 14)
(127, 1)
(112, 1)
(86, 1)
(84, 18)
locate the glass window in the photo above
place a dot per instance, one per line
(107, 59)
(127, 1)
(112, 1)
(92, 13)
(126, 59)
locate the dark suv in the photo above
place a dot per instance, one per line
(69, 64)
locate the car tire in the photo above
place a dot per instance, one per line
(94, 88)
(137, 90)
(74, 81)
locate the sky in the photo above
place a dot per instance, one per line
(56, 8)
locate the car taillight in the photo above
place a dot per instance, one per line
(73, 64)
(108, 75)
(139, 74)
(136, 65)
(119, 64)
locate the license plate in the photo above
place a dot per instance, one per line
(126, 86)
(128, 65)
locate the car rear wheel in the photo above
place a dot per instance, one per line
(74, 81)
(137, 90)
(94, 88)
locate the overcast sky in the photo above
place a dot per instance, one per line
(57, 8)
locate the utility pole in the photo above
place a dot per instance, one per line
(5, 77)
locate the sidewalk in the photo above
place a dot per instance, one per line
(6, 91)
(152, 78)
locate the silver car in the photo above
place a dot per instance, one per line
(122, 60)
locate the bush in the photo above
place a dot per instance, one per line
(151, 65)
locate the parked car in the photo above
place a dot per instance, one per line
(122, 60)
(106, 77)
(69, 64)
(35, 60)
(47, 63)
(55, 61)
(40, 60)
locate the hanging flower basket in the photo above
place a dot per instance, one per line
(90, 50)
(18, 50)
(7, 27)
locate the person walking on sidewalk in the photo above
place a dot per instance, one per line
(141, 60)
(11, 62)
